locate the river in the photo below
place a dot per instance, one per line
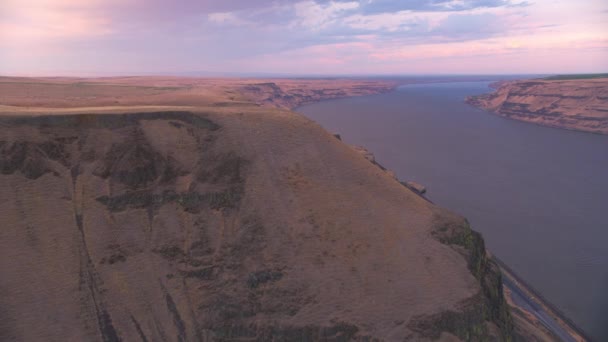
(538, 195)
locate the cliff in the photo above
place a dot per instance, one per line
(576, 104)
(224, 223)
(291, 94)
(180, 91)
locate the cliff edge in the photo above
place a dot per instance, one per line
(224, 223)
(576, 104)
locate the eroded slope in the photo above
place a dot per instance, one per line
(185, 226)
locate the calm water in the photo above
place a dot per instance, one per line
(539, 195)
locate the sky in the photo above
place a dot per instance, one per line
(307, 37)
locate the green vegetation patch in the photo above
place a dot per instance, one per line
(492, 305)
(575, 77)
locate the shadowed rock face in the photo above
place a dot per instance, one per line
(27, 158)
(572, 104)
(291, 95)
(183, 226)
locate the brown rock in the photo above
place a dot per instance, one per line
(419, 188)
(579, 104)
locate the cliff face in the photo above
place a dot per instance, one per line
(231, 225)
(179, 91)
(290, 95)
(571, 104)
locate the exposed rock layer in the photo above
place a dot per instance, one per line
(571, 104)
(291, 95)
(182, 91)
(227, 223)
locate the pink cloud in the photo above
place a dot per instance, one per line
(157, 36)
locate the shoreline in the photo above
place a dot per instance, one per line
(563, 128)
(562, 327)
(561, 322)
(405, 82)
(295, 108)
(576, 105)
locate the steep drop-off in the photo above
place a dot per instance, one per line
(577, 104)
(290, 95)
(225, 226)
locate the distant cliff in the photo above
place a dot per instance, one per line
(292, 94)
(576, 104)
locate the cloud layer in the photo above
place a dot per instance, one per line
(303, 37)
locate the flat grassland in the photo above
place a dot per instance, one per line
(116, 92)
(576, 77)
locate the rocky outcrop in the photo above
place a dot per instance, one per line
(419, 188)
(580, 104)
(489, 310)
(181, 91)
(290, 96)
(414, 186)
(366, 154)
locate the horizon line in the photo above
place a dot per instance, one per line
(203, 74)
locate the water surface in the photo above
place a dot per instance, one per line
(538, 195)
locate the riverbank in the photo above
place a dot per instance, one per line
(535, 193)
(573, 104)
(528, 304)
(534, 317)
